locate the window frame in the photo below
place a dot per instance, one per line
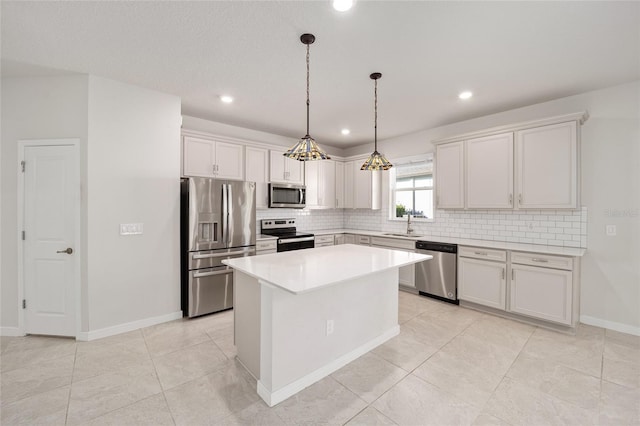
(428, 157)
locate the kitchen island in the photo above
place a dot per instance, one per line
(301, 315)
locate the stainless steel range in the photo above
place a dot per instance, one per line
(288, 237)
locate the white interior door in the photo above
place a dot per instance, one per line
(51, 213)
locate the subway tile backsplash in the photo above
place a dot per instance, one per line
(548, 227)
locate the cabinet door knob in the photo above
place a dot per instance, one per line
(510, 199)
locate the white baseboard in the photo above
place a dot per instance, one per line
(11, 331)
(273, 398)
(611, 325)
(86, 336)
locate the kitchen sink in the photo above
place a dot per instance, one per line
(404, 235)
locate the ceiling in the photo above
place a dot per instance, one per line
(510, 54)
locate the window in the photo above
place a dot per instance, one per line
(411, 188)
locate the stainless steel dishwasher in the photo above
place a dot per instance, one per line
(438, 277)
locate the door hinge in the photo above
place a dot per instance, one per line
(23, 236)
(22, 165)
(24, 303)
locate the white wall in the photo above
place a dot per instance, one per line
(130, 170)
(33, 108)
(610, 295)
(133, 177)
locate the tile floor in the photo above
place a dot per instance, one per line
(448, 366)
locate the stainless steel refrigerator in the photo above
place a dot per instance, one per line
(218, 221)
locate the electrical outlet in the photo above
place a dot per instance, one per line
(329, 327)
(611, 230)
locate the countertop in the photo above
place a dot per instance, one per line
(500, 245)
(264, 237)
(302, 271)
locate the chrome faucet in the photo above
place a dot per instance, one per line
(409, 228)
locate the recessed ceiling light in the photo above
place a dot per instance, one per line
(465, 95)
(342, 5)
(345, 131)
(226, 99)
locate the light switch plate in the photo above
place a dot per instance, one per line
(131, 228)
(611, 230)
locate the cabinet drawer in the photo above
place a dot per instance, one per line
(482, 253)
(363, 239)
(267, 245)
(542, 260)
(326, 240)
(393, 242)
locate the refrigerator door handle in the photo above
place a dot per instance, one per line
(225, 214)
(230, 253)
(229, 213)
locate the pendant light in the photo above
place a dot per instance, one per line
(376, 161)
(306, 149)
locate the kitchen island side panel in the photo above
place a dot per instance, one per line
(362, 310)
(246, 317)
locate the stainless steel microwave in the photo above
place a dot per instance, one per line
(287, 195)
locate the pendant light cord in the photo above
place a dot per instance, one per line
(375, 119)
(307, 90)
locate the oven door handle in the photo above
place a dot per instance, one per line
(295, 240)
(208, 274)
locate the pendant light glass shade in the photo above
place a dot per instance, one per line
(376, 161)
(307, 149)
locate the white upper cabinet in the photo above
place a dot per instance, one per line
(339, 185)
(348, 184)
(362, 188)
(450, 176)
(489, 176)
(547, 168)
(533, 165)
(210, 158)
(285, 170)
(320, 180)
(257, 170)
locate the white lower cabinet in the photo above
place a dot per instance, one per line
(363, 240)
(323, 240)
(540, 286)
(349, 239)
(482, 282)
(338, 239)
(543, 293)
(266, 246)
(407, 276)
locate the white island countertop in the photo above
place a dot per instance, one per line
(301, 271)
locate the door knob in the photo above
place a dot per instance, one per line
(68, 251)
